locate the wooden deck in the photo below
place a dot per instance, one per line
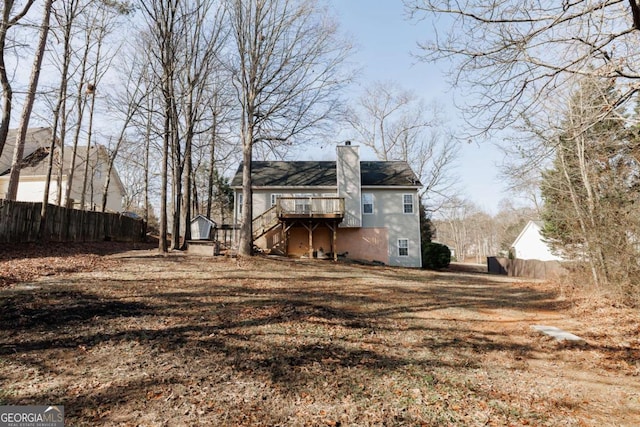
(310, 208)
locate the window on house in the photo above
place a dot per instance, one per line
(303, 203)
(407, 201)
(403, 247)
(274, 198)
(367, 203)
(239, 204)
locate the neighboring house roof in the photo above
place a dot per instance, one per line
(36, 153)
(323, 174)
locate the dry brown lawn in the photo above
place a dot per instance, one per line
(138, 339)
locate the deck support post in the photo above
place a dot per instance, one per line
(311, 227)
(310, 240)
(285, 229)
(335, 240)
(333, 226)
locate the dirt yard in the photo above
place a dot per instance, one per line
(138, 339)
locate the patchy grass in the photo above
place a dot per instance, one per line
(152, 340)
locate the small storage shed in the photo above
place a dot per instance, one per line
(201, 228)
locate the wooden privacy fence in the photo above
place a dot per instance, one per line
(524, 267)
(20, 222)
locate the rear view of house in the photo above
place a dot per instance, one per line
(367, 210)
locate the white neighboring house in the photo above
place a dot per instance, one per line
(530, 244)
(34, 169)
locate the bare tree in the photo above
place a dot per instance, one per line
(104, 24)
(219, 152)
(65, 17)
(453, 226)
(483, 236)
(204, 41)
(184, 41)
(80, 101)
(14, 177)
(161, 17)
(9, 19)
(286, 72)
(510, 221)
(511, 60)
(131, 100)
(517, 65)
(397, 125)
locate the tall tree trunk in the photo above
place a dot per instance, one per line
(212, 163)
(245, 247)
(107, 179)
(7, 92)
(81, 104)
(59, 118)
(87, 162)
(177, 184)
(186, 187)
(147, 146)
(162, 242)
(18, 152)
(577, 207)
(63, 138)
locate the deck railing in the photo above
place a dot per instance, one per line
(310, 206)
(265, 221)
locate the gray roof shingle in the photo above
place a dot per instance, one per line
(323, 173)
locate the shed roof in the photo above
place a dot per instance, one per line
(323, 174)
(202, 218)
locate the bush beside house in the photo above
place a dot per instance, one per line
(435, 256)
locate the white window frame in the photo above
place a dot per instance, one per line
(274, 198)
(239, 200)
(364, 212)
(405, 204)
(302, 206)
(401, 246)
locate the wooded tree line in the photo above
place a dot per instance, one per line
(591, 189)
(167, 98)
(564, 78)
(474, 234)
(180, 91)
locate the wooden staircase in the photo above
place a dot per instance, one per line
(264, 223)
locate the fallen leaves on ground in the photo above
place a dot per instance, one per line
(24, 262)
(143, 340)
